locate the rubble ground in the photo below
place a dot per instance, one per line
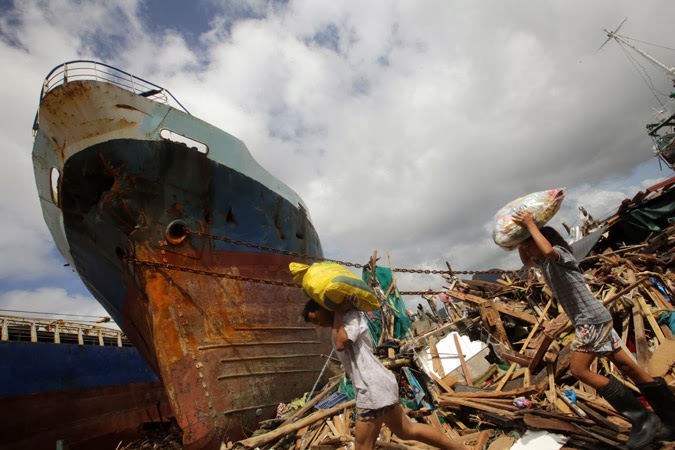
(522, 383)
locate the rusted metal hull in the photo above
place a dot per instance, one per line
(227, 343)
(97, 418)
(84, 396)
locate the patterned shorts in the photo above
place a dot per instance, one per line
(595, 338)
(365, 415)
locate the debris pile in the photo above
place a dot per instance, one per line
(516, 380)
(498, 358)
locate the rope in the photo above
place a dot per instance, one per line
(309, 397)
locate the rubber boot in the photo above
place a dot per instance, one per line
(662, 401)
(645, 423)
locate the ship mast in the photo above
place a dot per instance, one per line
(612, 35)
(664, 146)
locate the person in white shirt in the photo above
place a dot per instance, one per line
(375, 386)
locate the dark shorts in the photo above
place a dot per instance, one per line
(365, 415)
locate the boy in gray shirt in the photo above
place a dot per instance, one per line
(594, 336)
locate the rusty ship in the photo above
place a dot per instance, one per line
(73, 384)
(185, 240)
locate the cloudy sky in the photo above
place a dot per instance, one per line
(404, 125)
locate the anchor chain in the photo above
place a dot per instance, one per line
(344, 263)
(167, 266)
(158, 265)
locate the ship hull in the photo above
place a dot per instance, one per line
(217, 320)
(84, 396)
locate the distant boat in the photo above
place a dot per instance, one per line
(185, 240)
(80, 384)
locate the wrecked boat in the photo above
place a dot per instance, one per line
(79, 384)
(185, 240)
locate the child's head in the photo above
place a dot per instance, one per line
(529, 248)
(317, 314)
(555, 238)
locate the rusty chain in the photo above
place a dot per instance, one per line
(159, 265)
(344, 263)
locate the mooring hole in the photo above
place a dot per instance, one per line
(176, 232)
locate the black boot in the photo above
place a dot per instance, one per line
(662, 401)
(645, 424)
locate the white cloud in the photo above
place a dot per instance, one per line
(45, 302)
(404, 127)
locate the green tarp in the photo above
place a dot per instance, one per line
(395, 305)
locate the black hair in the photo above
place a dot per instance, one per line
(555, 238)
(310, 306)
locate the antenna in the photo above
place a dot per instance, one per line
(611, 34)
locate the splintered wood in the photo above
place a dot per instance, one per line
(525, 383)
(528, 385)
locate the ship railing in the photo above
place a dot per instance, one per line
(28, 329)
(93, 70)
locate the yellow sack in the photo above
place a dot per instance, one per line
(328, 284)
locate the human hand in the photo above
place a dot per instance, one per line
(524, 218)
(348, 303)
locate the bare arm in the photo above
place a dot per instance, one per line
(526, 219)
(339, 333)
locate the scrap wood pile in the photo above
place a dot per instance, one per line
(519, 380)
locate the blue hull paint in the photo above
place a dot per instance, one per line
(100, 214)
(37, 367)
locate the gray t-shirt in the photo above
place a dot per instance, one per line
(374, 385)
(568, 285)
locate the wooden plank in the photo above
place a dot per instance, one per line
(647, 311)
(525, 317)
(625, 290)
(610, 442)
(500, 331)
(517, 358)
(527, 377)
(541, 351)
(263, 439)
(440, 382)
(494, 394)
(658, 298)
(310, 404)
(435, 358)
(571, 406)
(526, 343)
(662, 359)
(547, 423)
(503, 442)
(449, 401)
(432, 419)
(641, 347)
(598, 418)
(465, 369)
(506, 377)
(551, 385)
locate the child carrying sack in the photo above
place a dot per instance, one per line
(543, 206)
(328, 283)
